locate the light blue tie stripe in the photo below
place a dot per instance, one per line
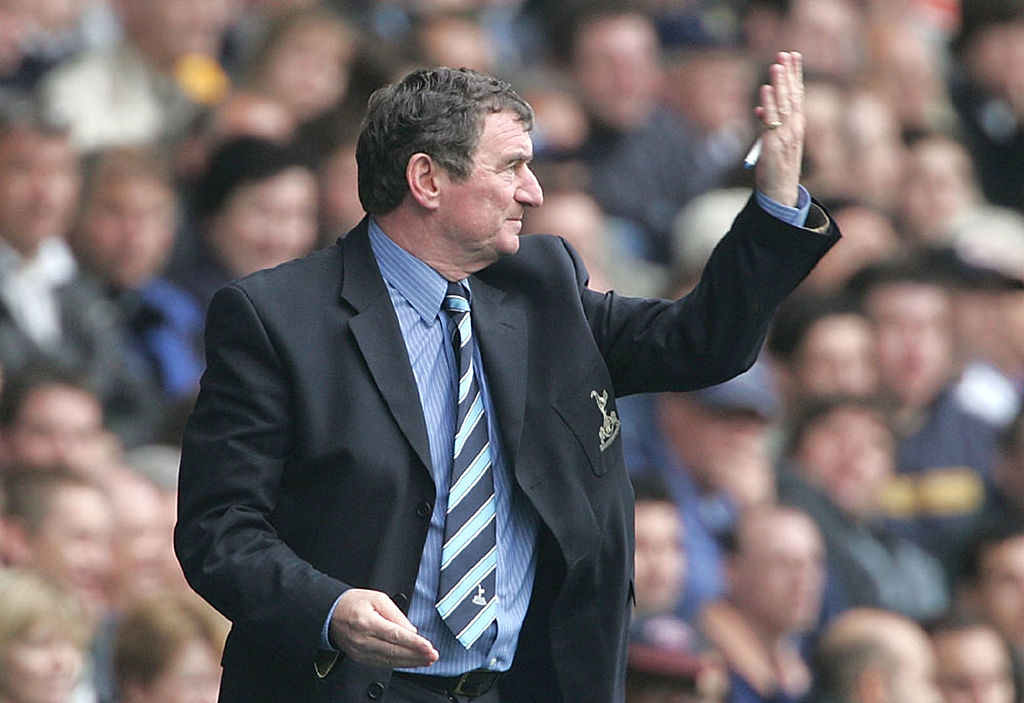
(476, 414)
(478, 625)
(467, 531)
(470, 478)
(467, 583)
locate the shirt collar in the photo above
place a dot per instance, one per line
(414, 280)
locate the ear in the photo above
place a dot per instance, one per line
(424, 176)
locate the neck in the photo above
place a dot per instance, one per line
(416, 235)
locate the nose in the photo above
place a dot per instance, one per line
(529, 192)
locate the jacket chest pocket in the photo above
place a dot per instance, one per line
(589, 413)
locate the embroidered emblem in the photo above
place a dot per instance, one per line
(610, 426)
(479, 599)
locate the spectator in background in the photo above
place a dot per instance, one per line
(256, 205)
(50, 420)
(124, 238)
(839, 459)
(660, 556)
(939, 189)
(713, 454)
(304, 61)
(821, 346)
(61, 526)
(973, 662)
(709, 81)
(455, 38)
(993, 584)
(986, 90)
(145, 89)
(875, 150)
(944, 455)
(577, 216)
(907, 65)
(42, 640)
(776, 575)
(985, 259)
(830, 33)
(168, 650)
(640, 159)
(875, 656)
(51, 314)
(144, 561)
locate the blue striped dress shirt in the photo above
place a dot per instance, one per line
(416, 292)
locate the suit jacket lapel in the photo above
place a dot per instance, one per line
(376, 331)
(500, 327)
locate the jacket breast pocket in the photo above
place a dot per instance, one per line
(589, 412)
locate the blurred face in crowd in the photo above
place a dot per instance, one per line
(192, 676)
(660, 557)
(268, 222)
(39, 185)
(974, 666)
(938, 187)
(40, 666)
(837, 357)
(127, 231)
(576, 216)
(143, 550)
(167, 30)
(1001, 588)
(828, 33)
(848, 453)
(73, 545)
(59, 426)
(777, 575)
(913, 324)
(617, 64)
(308, 70)
(726, 450)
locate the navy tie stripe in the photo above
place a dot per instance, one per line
(467, 600)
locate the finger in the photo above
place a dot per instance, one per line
(780, 82)
(767, 112)
(405, 649)
(798, 80)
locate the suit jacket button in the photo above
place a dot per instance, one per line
(424, 509)
(401, 600)
(376, 690)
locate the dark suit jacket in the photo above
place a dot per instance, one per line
(304, 470)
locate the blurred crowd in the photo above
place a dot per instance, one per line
(843, 523)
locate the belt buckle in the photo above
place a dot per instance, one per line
(474, 683)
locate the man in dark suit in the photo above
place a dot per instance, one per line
(320, 476)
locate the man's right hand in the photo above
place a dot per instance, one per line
(371, 629)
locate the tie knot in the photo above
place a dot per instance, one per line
(455, 299)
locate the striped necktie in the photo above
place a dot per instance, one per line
(467, 601)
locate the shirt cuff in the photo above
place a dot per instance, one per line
(796, 216)
(325, 633)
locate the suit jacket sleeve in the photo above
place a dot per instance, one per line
(234, 454)
(716, 331)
